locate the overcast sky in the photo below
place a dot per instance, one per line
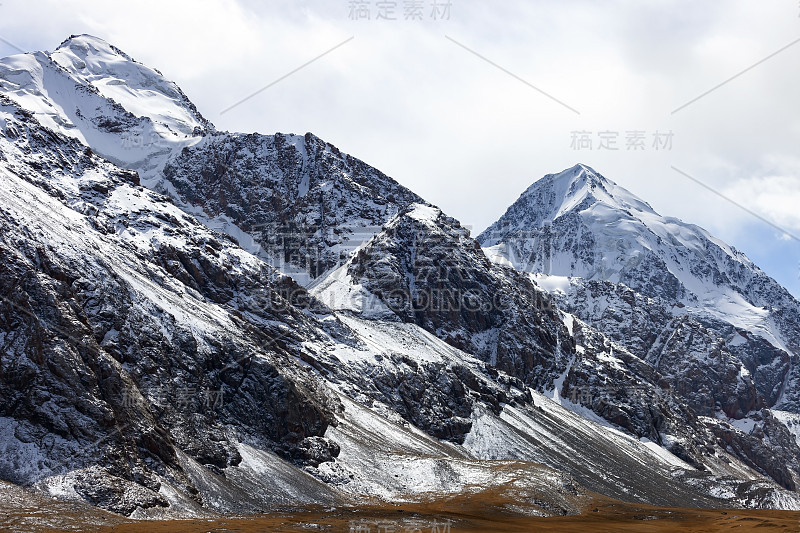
(468, 104)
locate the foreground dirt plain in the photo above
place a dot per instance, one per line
(459, 515)
(608, 518)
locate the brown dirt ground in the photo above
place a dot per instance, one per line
(470, 514)
(608, 518)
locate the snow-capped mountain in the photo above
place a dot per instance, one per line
(90, 90)
(296, 201)
(154, 366)
(426, 269)
(720, 331)
(579, 224)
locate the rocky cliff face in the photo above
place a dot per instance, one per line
(426, 269)
(306, 204)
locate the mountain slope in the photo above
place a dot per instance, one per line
(306, 204)
(91, 91)
(423, 269)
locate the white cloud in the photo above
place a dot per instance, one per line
(460, 132)
(776, 198)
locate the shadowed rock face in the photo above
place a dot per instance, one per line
(429, 272)
(693, 358)
(306, 203)
(769, 448)
(687, 373)
(701, 369)
(86, 368)
(64, 389)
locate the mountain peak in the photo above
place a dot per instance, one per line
(579, 180)
(86, 43)
(87, 55)
(90, 90)
(575, 189)
(580, 168)
(578, 223)
(141, 90)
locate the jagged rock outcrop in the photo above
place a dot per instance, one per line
(307, 204)
(427, 270)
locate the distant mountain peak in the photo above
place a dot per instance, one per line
(578, 223)
(86, 44)
(576, 189)
(580, 173)
(140, 89)
(580, 170)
